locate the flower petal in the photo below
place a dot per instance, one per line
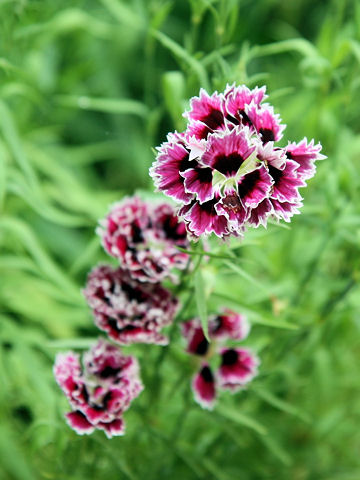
(266, 122)
(203, 385)
(305, 154)
(229, 325)
(165, 171)
(286, 183)
(204, 219)
(199, 181)
(238, 367)
(78, 422)
(226, 153)
(254, 187)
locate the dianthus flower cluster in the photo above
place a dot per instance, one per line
(234, 367)
(130, 305)
(227, 170)
(128, 310)
(129, 302)
(100, 389)
(145, 239)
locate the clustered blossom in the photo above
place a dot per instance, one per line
(128, 310)
(130, 305)
(227, 170)
(145, 239)
(237, 366)
(100, 390)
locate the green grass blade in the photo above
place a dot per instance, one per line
(182, 54)
(106, 105)
(240, 418)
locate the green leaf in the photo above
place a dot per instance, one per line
(41, 257)
(276, 449)
(9, 131)
(236, 416)
(181, 53)
(3, 157)
(174, 92)
(244, 274)
(281, 404)
(124, 14)
(107, 105)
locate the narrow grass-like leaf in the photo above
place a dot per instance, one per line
(18, 262)
(46, 264)
(41, 205)
(124, 14)
(182, 54)
(243, 274)
(107, 105)
(3, 157)
(281, 404)
(215, 469)
(66, 21)
(277, 450)
(306, 48)
(9, 131)
(240, 418)
(174, 91)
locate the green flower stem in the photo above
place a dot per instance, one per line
(157, 379)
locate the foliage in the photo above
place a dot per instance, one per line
(88, 87)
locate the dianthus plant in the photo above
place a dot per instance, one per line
(227, 171)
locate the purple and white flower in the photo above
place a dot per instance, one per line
(145, 238)
(226, 170)
(127, 310)
(203, 386)
(229, 325)
(100, 390)
(238, 367)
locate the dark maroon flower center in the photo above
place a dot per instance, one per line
(173, 230)
(209, 207)
(248, 183)
(185, 163)
(207, 375)
(228, 164)
(214, 119)
(204, 175)
(245, 119)
(133, 293)
(267, 135)
(202, 347)
(137, 236)
(108, 372)
(229, 357)
(275, 173)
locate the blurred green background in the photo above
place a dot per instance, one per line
(87, 89)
